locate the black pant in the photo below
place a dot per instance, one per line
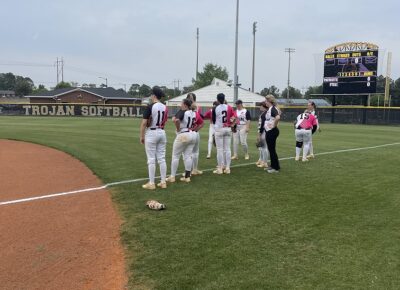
(270, 137)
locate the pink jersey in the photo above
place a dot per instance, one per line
(306, 121)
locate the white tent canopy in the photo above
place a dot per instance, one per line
(207, 95)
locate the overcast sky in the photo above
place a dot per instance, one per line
(154, 41)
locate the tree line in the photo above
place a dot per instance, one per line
(23, 86)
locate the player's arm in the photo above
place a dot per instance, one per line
(232, 116)
(248, 121)
(314, 123)
(177, 119)
(199, 122)
(276, 116)
(143, 125)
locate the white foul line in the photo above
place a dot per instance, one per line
(145, 179)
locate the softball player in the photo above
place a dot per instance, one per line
(304, 126)
(264, 154)
(223, 118)
(211, 130)
(152, 135)
(242, 130)
(311, 107)
(272, 118)
(185, 140)
(199, 124)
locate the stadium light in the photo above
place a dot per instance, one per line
(235, 77)
(254, 55)
(289, 51)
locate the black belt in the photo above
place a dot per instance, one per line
(184, 132)
(156, 129)
(299, 128)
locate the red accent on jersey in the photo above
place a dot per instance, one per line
(165, 118)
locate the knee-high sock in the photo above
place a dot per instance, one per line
(195, 161)
(298, 150)
(311, 149)
(174, 165)
(305, 150)
(152, 171)
(163, 170)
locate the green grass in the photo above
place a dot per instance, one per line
(333, 223)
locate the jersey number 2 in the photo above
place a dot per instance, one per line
(224, 116)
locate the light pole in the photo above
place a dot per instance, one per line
(105, 80)
(235, 77)
(254, 55)
(197, 55)
(289, 51)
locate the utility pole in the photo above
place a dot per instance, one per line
(254, 55)
(57, 71)
(388, 75)
(289, 51)
(62, 70)
(197, 55)
(236, 78)
(103, 78)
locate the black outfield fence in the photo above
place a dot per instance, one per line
(336, 114)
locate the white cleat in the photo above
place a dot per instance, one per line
(185, 179)
(162, 185)
(218, 171)
(311, 156)
(149, 186)
(262, 165)
(246, 157)
(227, 171)
(297, 158)
(208, 156)
(197, 172)
(234, 157)
(170, 179)
(272, 171)
(304, 160)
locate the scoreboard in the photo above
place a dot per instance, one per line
(350, 68)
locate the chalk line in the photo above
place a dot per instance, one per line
(145, 179)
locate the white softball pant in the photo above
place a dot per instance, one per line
(183, 144)
(196, 151)
(155, 145)
(223, 137)
(211, 133)
(240, 137)
(264, 153)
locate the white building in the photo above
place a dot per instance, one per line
(207, 95)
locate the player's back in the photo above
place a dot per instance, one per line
(159, 115)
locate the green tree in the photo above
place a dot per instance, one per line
(39, 89)
(210, 71)
(293, 93)
(7, 81)
(134, 90)
(23, 86)
(272, 90)
(144, 90)
(313, 90)
(63, 85)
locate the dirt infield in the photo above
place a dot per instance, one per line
(67, 242)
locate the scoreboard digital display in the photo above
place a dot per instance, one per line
(350, 68)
